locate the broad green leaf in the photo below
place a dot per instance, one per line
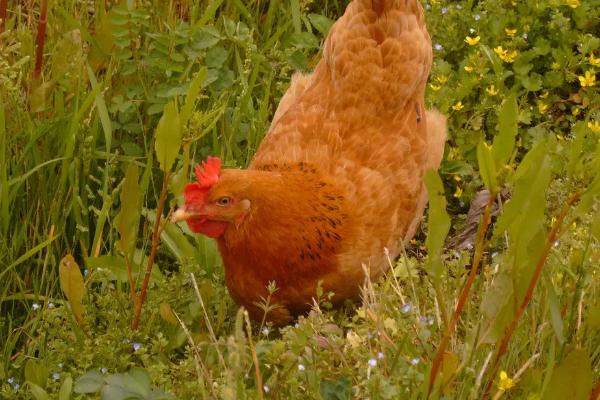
(438, 223)
(497, 307)
(555, 317)
(192, 95)
(127, 220)
(340, 389)
(572, 379)
(320, 23)
(66, 388)
(487, 167)
(504, 141)
(36, 372)
(37, 392)
(91, 382)
(72, 285)
(168, 137)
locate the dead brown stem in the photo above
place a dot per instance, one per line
(3, 8)
(139, 300)
(503, 344)
(462, 299)
(596, 392)
(40, 40)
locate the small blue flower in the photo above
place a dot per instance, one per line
(136, 346)
(50, 306)
(372, 362)
(301, 367)
(415, 361)
(438, 47)
(35, 306)
(85, 272)
(477, 17)
(444, 10)
(471, 30)
(104, 370)
(380, 355)
(55, 376)
(16, 386)
(406, 308)
(10, 380)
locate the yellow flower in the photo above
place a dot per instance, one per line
(442, 79)
(458, 106)
(435, 88)
(468, 68)
(510, 32)
(575, 111)
(594, 126)
(594, 60)
(573, 3)
(506, 55)
(505, 382)
(542, 107)
(457, 178)
(544, 94)
(589, 79)
(472, 41)
(458, 193)
(491, 90)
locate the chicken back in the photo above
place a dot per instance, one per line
(339, 176)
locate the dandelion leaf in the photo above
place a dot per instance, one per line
(504, 141)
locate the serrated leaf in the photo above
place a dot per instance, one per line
(438, 222)
(90, 382)
(72, 285)
(127, 220)
(487, 167)
(36, 372)
(572, 379)
(66, 388)
(340, 389)
(168, 137)
(504, 141)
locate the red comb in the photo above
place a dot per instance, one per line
(207, 175)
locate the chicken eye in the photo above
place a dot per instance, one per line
(224, 201)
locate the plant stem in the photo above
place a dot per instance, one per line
(3, 8)
(462, 299)
(503, 344)
(40, 39)
(139, 301)
(596, 392)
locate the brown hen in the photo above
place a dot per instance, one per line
(338, 177)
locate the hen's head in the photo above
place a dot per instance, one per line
(211, 204)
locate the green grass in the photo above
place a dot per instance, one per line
(67, 141)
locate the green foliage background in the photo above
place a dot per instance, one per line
(68, 140)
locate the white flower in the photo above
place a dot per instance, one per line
(372, 362)
(438, 47)
(265, 388)
(477, 17)
(406, 308)
(380, 355)
(301, 367)
(415, 361)
(35, 306)
(55, 376)
(265, 331)
(50, 306)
